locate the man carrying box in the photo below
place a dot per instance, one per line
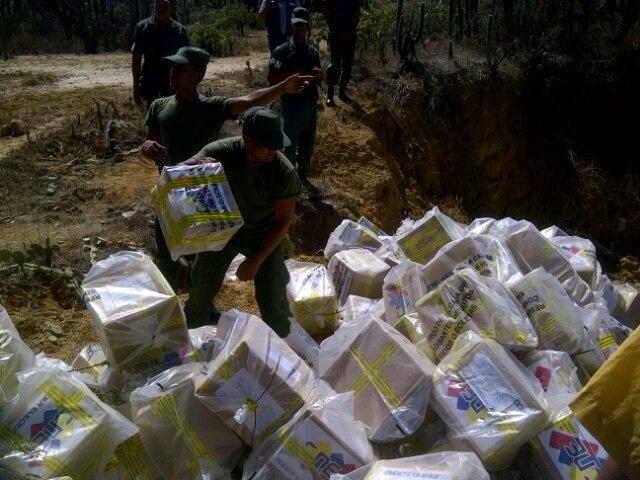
(265, 186)
(180, 125)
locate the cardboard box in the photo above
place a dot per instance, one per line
(257, 382)
(184, 439)
(131, 461)
(137, 315)
(402, 288)
(553, 314)
(195, 208)
(487, 400)
(411, 327)
(364, 357)
(485, 254)
(466, 301)
(312, 297)
(357, 272)
(356, 306)
(349, 235)
(567, 451)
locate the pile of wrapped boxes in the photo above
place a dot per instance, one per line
(448, 351)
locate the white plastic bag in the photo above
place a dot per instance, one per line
(55, 426)
(365, 222)
(231, 276)
(356, 306)
(195, 208)
(349, 235)
(322, 439)
(411, 327)
(422, 240)
(257, 382)
(131, 461)
(184, 439)
(357, 272)
(488, 400)
(467, 301)
(555, 317)
(364, 357)
(312, 297)
(485, 254)
(435, 466)
(15, 356)
(303, 345)
(137, 315)
(580, 252)
(205, 341)
(590, 357)
(402, 288)
(390, 252)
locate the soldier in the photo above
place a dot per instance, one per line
(155, 38)
(342, 18)
(265, 186)
(299, 111)
(180, 125)
(277, 15)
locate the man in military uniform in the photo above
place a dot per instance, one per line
(299, 110)
(155, 38)
(277, 15)
(342, 18)
(265, 186)
(180, 125)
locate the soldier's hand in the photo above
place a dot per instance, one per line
(317, 74)
(154, 151)
(248, 270)
(297, 83)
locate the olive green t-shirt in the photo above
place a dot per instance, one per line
(255, 188)
(186, 127)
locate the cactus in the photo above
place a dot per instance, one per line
(406, 38)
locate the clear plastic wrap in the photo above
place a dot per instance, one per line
(131, 461)
(422, 240)
(312, 297)
(567, 451)
(532, 250)
(484, 253)
(137, 315)
(356, 306)
(15, 356)
(184, 439)
(436, 466)
(390, 252)
(195, 208)
(322, 439)
(364, 357)
(411, 327)
(467, 301)
(357, 272)
(365, 222)
(231, 276)
(55, 426)
(489, 401)
(580, 252)
(557, 375)
(205, 341)
(349, 235)
(607, 337)
(622, 301)
(402, 288)
(91, 362)
(257, 382)
(303, 345)
(555, 317)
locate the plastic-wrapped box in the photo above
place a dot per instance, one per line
(365, 222)
(402, 288)
(257, 382)
(436, 466)
(623, 301)
(567, 451)
(553, 314)
(532, 250)
(357, 272)
(422, 240)
(488, 400)
(485, 254)
(55, 426)
(467, 301)
(195, 208)
(322, 439)
(205, 341)
(411, 327)
(184, 439)
(312, 297)
(131, 461)
(137, 315)
(580, 252)
(390, 252)
(15, 356)
(356, 306)
(557, 375)
(349, 235)
(303, 345)
(364, 357)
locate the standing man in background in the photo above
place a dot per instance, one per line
(342, 18)
(277, 15)
(154, 38)
(299, 111)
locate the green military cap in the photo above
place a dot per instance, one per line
(190, 56)
(300, 15)
(265, 126)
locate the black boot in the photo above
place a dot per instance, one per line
(330, 102)
(343, 95)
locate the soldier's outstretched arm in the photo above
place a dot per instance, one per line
(293, 84)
